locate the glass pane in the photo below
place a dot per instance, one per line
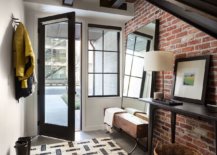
(134, 87)
(126, 85)
(110, 84)
(129, 51)
(95, 39)
(90, 62)
(98, 62)
(141, 45)
(110, 40)
(90, 84)
(110, 62)
(56, 77)
(137, 68)
(97, 84)
(130, 43)
(128, 64)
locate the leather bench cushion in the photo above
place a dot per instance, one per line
(132, 125)
(142, 116)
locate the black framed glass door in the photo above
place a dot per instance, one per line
(56, 76)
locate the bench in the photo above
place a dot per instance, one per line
(134, 125)
(131, 124)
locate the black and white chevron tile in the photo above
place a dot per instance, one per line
(96, 146)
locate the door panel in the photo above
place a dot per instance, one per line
(56, 71)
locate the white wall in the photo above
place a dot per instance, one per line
(92, 108)
(11, 112)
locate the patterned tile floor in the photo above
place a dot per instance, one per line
(123, 140)
(95, 146)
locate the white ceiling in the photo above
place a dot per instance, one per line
(82, 8)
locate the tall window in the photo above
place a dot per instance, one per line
(134, 74)
(103, 60)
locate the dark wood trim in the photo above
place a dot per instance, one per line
(197, 20)
(191, 110)
(151, 124)
(201, 6)
(71, 73)
(173, 127)
(156, 40)
(103, 96)
(143, 34)
(202, 100)
(105, 27)
(103, 51)
(142, 84)
(50, 129)
(41, 74)
(156, 34)
(118, 64)
(215, 130)
(55, 17)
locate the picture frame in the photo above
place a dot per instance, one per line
(190, 79)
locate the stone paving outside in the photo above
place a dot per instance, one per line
(56, 109)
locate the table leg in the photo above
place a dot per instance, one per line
(150, 128)
(173, 127)
(215, 126)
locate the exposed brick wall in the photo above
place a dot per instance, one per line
(185, 41)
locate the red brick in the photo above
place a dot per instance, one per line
(199, 143)
(207, 140)
(207, 39)
(207, 127)
(188, 49)
(188, 138)
(202, 46)
(214, 43)
(186, 126)
(194, 42)
(199, 44)
(181, 34)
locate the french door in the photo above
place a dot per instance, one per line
(56, 76)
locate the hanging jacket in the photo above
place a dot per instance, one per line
(24, 62)
(24, 58)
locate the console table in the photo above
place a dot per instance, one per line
(188, 109)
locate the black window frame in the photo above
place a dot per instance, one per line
(143, 78)
(105, 27)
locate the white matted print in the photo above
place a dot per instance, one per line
(189, 79)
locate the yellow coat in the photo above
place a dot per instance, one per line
(23, 55)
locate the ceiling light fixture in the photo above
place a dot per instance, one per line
(68, 2)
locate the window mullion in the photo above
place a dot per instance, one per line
(100, 38)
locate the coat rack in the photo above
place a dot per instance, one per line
(15, 21)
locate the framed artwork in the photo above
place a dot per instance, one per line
(190, 79)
